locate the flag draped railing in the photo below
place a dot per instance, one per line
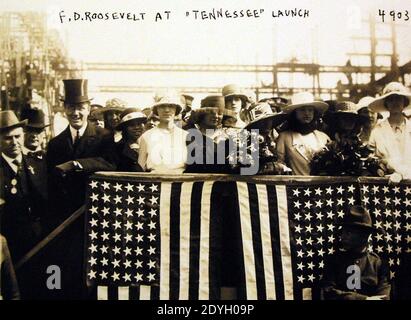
(184, 237)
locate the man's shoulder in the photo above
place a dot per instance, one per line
(102, 131)
(374, 257)
(60, 137)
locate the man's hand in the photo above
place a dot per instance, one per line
(377, 298)
(394, 178)
(65, 168)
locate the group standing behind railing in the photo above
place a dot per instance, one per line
(228, 133)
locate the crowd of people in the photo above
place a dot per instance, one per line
(45, 181)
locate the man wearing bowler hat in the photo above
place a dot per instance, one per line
(353, 273)
(23, 188)
(34, 132)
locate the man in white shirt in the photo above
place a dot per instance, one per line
(392, 137)
(163, 149)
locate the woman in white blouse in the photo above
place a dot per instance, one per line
(391, 138)
(163, 149)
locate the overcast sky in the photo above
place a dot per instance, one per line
(324, 37)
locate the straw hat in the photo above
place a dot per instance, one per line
(131, 114)
(393, 88)
(303, 99)
(262, 113)
(231, 90)
(168, 97)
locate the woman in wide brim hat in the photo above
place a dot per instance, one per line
(345, 119)
(297, 145)
(263, 117)
(391, 137)
(391, 89)
(304, 99)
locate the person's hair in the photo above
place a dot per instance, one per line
(304, 128)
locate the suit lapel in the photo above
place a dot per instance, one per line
(88, 137)
(67, 141)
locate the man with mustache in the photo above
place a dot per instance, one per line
(23, 188)
(34, 132)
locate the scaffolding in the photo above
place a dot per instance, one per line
(31, 56)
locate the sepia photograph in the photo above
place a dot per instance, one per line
(235, 151)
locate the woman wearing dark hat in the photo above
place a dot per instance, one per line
(125, 153)
(235, 100)
(339, 280)
(208, 117)
(205, 137)
(391, 138)
(297, 145)
(346, 154)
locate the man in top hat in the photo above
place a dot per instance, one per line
(75, 153)
(34, 133)
(353, 273)
(392, 137)
(23, 188)
(71, 157)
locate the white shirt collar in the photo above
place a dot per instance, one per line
(10, 161)
(74, 131)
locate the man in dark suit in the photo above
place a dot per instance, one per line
(71, 157)
(24, 191)
(76, 152)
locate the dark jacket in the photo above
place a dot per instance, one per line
(67, 194)
(374, 276)
(9, 289)
(26, 204)
(123, 158)
(206, 155)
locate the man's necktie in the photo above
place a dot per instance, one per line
(76, 139)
